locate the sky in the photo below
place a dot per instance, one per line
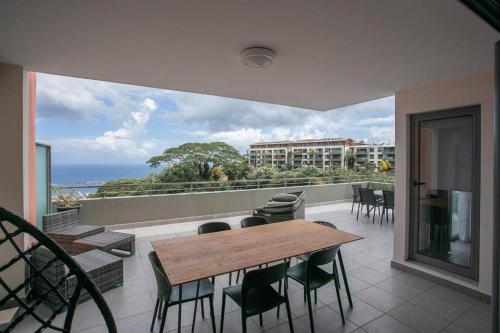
(95, 122)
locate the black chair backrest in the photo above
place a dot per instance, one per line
(355, 190)
(263, 277)
(326, 224)
(321, 257)
(253, 221)
(388, 198)
(162, 282)
(13, 228)
(210, 227)
(367, 196)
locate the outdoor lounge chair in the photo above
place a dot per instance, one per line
(104, 269)
(64, 228)
(283, 207)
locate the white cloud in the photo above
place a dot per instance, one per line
(382, 134)
(377, 121)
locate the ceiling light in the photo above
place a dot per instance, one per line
(257, 56)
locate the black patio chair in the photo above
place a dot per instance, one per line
(253, 221)
(305, 257)
(355, 195)
(369, 199)
(167, 295)
(256, 294)
(14, 228)
(388, 204)
(311, 276)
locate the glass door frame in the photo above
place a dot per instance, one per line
(471, 272)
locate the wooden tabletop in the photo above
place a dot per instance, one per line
(197, 257)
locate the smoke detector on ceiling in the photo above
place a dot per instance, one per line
(257, 57)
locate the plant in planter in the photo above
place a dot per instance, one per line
(66, 200)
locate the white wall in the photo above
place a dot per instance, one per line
(124, 210)
(465, 91)
(12, 161)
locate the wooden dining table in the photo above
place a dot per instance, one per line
(194, 258)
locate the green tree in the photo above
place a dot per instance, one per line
(369, 167)
(384, 166)
(264, 172)
(350, 159)
(194, 161)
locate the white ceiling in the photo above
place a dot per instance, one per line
(329, 53)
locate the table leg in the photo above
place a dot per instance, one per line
(195, 304)
(179, 318)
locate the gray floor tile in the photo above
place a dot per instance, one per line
(477, 319)
(414, 281)
(444, 308)
(369, 275)
(328, 320)
(379, 299)
(361, 312)
(455, 329)
(419, 320)
(387, 324)
(399, 289)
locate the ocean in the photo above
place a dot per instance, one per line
(87, 174)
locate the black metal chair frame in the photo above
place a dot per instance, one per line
(316, 259)
(164, 293)
(369, 200)
(355, 196)
(17, 227)
(258, 279)
(388, 204)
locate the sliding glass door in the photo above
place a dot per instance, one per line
(445, 189)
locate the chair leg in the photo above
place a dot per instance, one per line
(357, 216)
(212, 312)
(305, 300)
(260, 320)
(315, 296)
(202, 309)
(344, 277)
(160, 310)
(382, 217)
(243, 322)
(288, 312)
(336, 279)
(154, 314)
(238, 277)
(374, 213)
(309, 306)
(352, 208)
(279, 291)
(222, 311)
(387, 215)
(335, 269)
(230, 277)
(163, 317)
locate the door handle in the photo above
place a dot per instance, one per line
(416, 183)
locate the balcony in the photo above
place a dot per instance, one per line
(384, 298)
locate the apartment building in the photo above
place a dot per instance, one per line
(373, 153)
(322, 153)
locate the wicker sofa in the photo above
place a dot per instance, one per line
(106, 270)
(283, 207)
(64, 228)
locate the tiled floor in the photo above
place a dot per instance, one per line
(385, 299)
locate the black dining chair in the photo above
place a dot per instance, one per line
(256, 294)
(305, 257)
(311, 276)
(388, 204)
(210, 227)
(355, 195)
(12, 229)
(369, 199)
(253, 221)
(167, 295)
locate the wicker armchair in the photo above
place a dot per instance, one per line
(104, 269)
(283, 207)
(64, 228)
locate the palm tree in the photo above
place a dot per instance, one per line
(350, 159)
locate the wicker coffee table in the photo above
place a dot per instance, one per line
(106, 241)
